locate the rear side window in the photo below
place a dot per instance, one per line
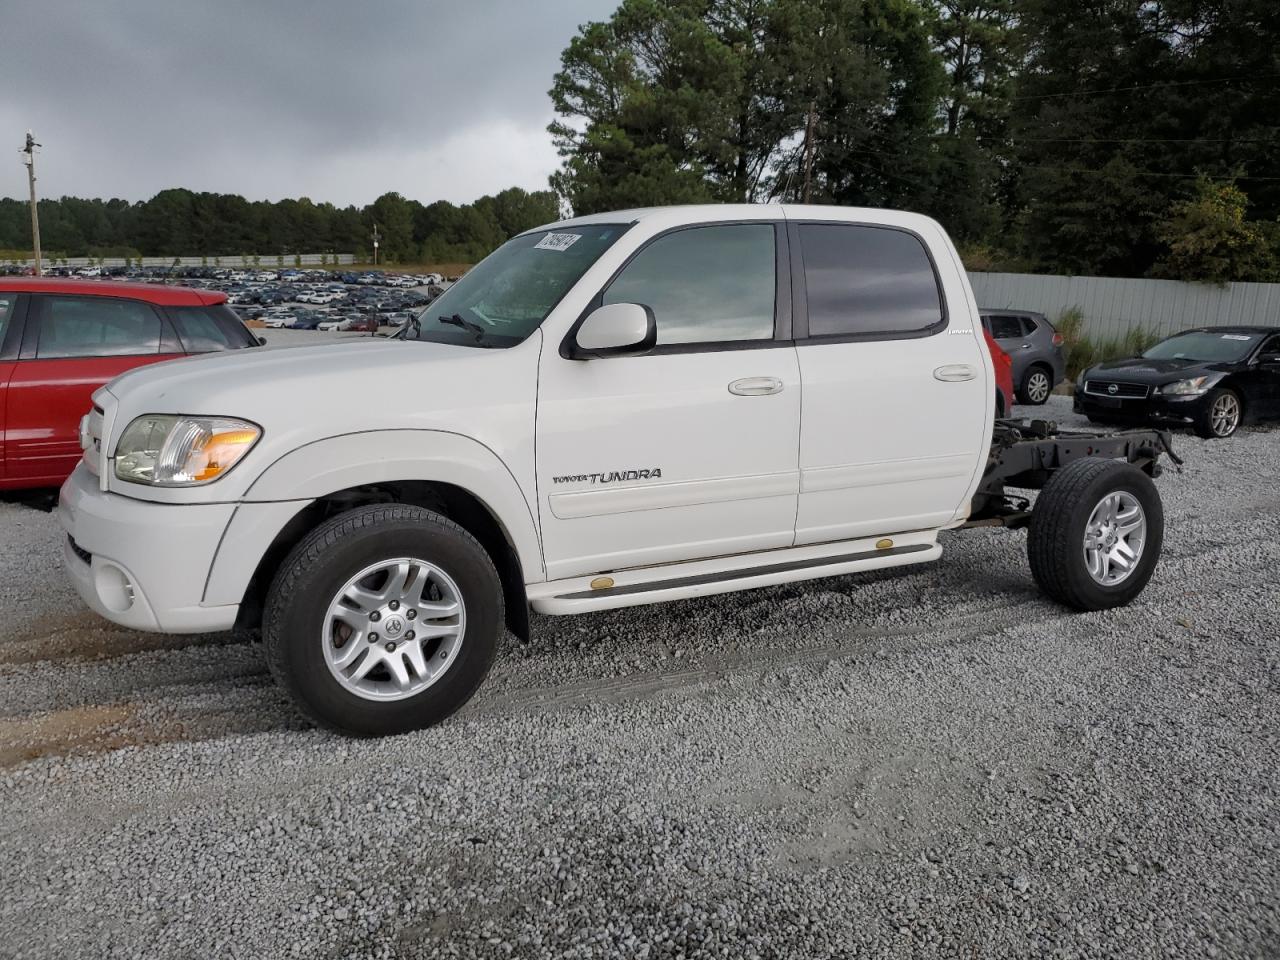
(206, 329)
(1006, 328)
(711, 284)
(867, 281)
(1028, 325)
(97, 327)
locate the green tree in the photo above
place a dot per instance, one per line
(1209, 239)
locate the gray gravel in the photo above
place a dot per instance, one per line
(927, 762)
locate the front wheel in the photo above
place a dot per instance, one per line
(1096, 533)
(384, 619)
(1219, 415)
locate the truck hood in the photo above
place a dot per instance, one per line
(298, 395)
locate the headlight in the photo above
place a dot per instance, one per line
(170, 451)
(1184, 388)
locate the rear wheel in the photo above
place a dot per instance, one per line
(384, 619)
(1096, 533)
(1220, 415)
(1037, 384)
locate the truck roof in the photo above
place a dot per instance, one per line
(160, 294)
(711, 212)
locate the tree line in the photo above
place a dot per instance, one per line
(186, 223)
(1112, 137)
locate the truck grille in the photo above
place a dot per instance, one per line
(1114, 388)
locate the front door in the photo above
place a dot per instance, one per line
(689, 451)
(72, 346)
(897, 400)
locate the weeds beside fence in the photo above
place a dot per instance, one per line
(1083, 351)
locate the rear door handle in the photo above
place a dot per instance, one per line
(755, 386)
(954, 372)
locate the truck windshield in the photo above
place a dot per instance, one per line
(504, 298)
(1204, 346)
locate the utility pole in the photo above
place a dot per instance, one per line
(808, 151)
(375, 244)
(29, 158)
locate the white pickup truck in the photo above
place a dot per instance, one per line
(618, 409)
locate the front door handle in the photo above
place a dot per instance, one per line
(954, 372)
(755, 386)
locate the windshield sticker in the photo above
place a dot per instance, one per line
(1234, 336)
(557, 241)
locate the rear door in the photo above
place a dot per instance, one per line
(897, 398)
(71, 346)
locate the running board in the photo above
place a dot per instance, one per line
(702, 578)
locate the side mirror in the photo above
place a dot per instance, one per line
(262, 341)
(615, 330)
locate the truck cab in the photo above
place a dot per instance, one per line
(624, 408)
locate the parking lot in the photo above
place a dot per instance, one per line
(933, 761)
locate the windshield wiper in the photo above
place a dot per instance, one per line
(457, 321)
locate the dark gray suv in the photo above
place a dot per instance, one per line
(1036, 348)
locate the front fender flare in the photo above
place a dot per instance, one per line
(327, 466)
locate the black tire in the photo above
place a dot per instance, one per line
(1030, 383)
(316, 569)
(1055, 541)
(1204, 425)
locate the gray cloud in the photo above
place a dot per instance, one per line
(338, 100)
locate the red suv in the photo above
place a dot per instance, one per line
(62, 339)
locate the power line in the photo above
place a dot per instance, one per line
(1145, 86)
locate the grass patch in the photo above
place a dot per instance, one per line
(1083, 351)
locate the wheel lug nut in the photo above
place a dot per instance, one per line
(412, 614)
(394, 604)
(391, 648)
(409, 635)
(375, 616)
(373, 638)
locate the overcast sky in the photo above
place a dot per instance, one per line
(337, 100)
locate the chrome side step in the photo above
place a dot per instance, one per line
(707, 577)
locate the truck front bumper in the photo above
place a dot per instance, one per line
(141, 564)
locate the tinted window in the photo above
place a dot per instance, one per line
(97, 327)
(1028, 325)
(1005, 328)
(866, 280)
(205, 329)
(705, 284)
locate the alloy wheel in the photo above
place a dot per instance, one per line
(393, 629)
(1114, 538)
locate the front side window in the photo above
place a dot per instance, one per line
(710, 284)
(506, 296)
(865, 280)
(97, 327)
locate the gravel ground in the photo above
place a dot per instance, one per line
(927, 762)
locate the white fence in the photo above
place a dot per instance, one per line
(250, 261)
(1111, 306)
